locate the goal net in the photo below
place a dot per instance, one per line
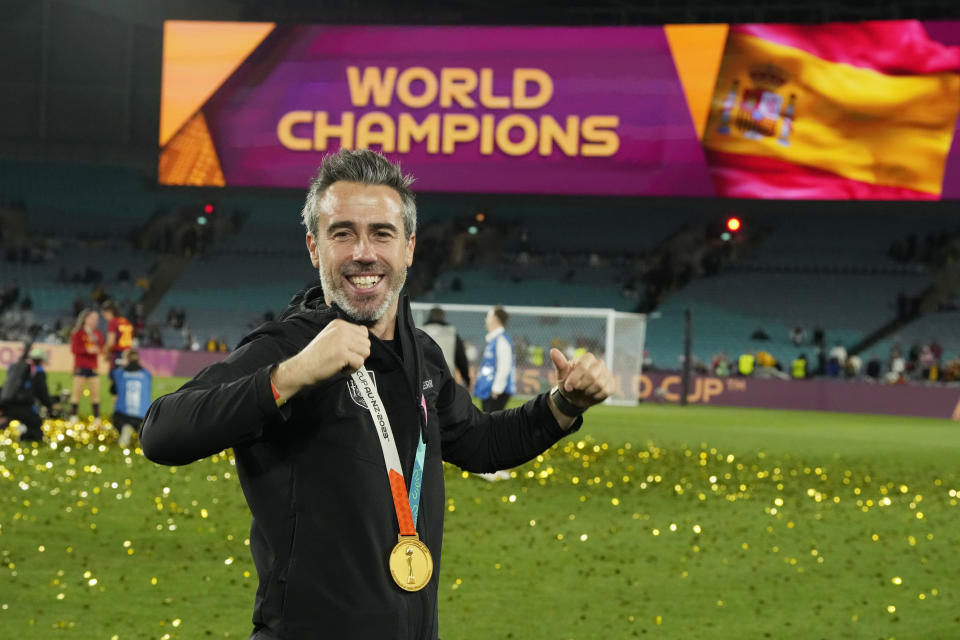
(613, 336)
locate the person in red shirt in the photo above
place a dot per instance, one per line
(86, 343)
(119, 336)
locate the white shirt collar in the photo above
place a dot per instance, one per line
(496, 332)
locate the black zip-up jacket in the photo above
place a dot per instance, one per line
(32, 391)
(314, 477)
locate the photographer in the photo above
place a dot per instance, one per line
(26, 390)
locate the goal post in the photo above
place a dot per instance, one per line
(614, 336)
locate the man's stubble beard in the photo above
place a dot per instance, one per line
(334, 289)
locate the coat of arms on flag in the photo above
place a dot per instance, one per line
(758, 111)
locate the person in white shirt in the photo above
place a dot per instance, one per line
(450, 343)
(497, 379)
(840, 353)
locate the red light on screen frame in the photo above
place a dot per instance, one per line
(733, 224)
(208, 208)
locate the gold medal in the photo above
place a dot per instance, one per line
(411, 564)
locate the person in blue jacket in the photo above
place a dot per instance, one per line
(134, 389)
(497, 378)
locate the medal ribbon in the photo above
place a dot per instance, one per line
(416, 478)
(405, 506)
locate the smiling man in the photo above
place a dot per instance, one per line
(362, 253)
(340, 415)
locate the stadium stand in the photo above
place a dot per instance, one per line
(586, 253)
(728, 308)
(845, 282)
(612, 226)
(590, 287)
(853, 238)
(225, 295)
(526, 253)
(940, 326)
(49, 289)
(84, 201)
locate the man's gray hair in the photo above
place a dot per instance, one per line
(365, 167)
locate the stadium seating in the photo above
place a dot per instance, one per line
(225, 294)
(83, 201)
(856, 237)
(941, 326)
(52, 298)
(842, 281)
(728, 308)
(590, 287)
(601, 226)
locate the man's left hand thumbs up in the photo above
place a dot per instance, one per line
(584, 381)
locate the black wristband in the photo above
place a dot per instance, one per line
(565, 407)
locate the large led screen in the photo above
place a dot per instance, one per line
(864, 110)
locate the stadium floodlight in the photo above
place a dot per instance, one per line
(614, 336)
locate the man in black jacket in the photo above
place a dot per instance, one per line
(340, 414)
(31, 401)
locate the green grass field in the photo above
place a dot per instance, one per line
(655, 521)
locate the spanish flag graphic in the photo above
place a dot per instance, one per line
(838, 111)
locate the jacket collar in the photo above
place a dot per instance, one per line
(496, 332)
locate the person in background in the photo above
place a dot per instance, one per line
(853, 366)
(768, 367)
(766, 360)
(86, 343)
(896, 367)
(937, 349)
(535, 355)
(745, 364)
(721, 365)
(450, 343)
(134, 386)
(927, 363)
(798, 368)
(839, 353)
(119, 338)
(32, 391)
(497, 379)
(798, 335)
